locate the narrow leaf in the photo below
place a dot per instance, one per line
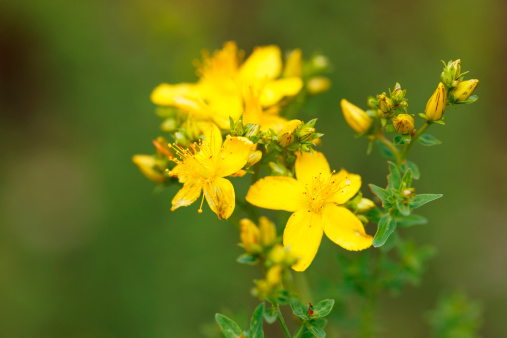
(316, 331)
(406, 181)
(394, 177)
(256, 322)
(416, 174)
(383, 194)
(246, 259)
(299, 309)
(408, 221)
(270, 315)
(422, 199)
(229, 327)
(323, 308)
(386, 226)
(403, 208)
(428, 140)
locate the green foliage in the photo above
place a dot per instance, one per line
(229, 327)
(428, 140)
(456, 317)
(246, 258)
(312, 317)
(386, 227)
(256, 322)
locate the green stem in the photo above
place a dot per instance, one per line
(391, 146)
(282, 321)
(418, 134)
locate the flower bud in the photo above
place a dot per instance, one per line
(318, 85)
(169, 125)
(267, 231)
(277, 254)
(293, 64)
(397, 95)
(319, 62)
(356, 118)
(249, 235)
(254, 157)
(451, 74)
(463, 91)
(286, 135)
(436, 104)
(384, 103)
(365, 205)
(306, 134)
(237, 129)
(148, 166)
(274, 275)
(372, 102)
(252, 130)
(404, 124)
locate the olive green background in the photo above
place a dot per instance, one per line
(87, 249)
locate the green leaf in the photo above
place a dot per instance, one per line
(299, 309)
(316, 331)
(256, 322)
(439, 122)
(403, 208)
(323, 308)
(270, 315)
(402, 139)
(374, 215)
(422, 199)
(385, 151)
(283, 297)
(246, 259)
(386, 226)
(428, 140)
(229, 327)
(390, 243)
(394, 177)
(390, 128)
(384, 195)
(408, 221)
(406, 181)
(416, 174)
(423, 116)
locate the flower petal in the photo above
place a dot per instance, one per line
(278, 193)
(351, 184)
(187, 195)
(264, 62)
(164, 94)
(233, 155)
(303, 234)
(344, 228)
(309, 166)
(274, 91)
(220, 196)
(212, 136)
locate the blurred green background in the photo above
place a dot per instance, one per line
(88, 250)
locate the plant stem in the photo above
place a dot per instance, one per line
(418, 134)
(391, 146)
(282, 321)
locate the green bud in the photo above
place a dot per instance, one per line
(385, 104)
(237, 129)
(252, 130)
(372, 102)
(398, 94)
(451, 73)
(254, 157)
(169, 125)
(306, 134)
(365, 205)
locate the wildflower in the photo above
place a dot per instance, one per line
(464, 89)
(404, 124)
(356, 117)
(314, 198)
(436, 104)
(267, 231)
(203, 167)
(249, 235)
(148, 165)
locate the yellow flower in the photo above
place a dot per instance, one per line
(250, 235)
(404, 124)
(147, 164)
(436, 104)
(315, 199)
(203, 167)
(219, 92)
(356, 118)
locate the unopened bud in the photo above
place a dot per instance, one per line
(372, 102)
(148, 166)
(404, 124)
(277, 254)
(365, 205)
(356, 118)
(318, 85)
(398, 94)
(436, 104)
(293, 65)
(237, 129)
(249, 235)
(252, 130)
(169, 125)
(451, 74)
(274, 275)
(306, 134)
(254, 157)
(320, 62)
(286, 135)
(384, 103)
(463, 91)
(267, 231)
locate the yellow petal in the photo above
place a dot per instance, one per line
(233, 155)
(309, 166)
(164, 94)
(293, 64)
(220, 196)
(265, 62)
(212, 136)
(278, 193)
(302, 235)
(187, 195)
(193, 105)
(350, 183)
(274, 91)
(344, 228)
(223, 107)
(146, 164)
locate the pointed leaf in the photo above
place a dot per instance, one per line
(229, 327)
(406, 181)
(385, 151)
(408, 221)
(270, 315)
(384, 195)
(422, 199)
(316, 331)
(299, 309)
(415, 170)
(322, 308)
(428, 140)
(403, 208)
(386, 226)
(256, 322)
(394, 177)
(246, 259)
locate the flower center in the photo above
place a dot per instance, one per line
(196, 162)
(322, 188)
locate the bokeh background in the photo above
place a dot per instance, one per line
(87, 249)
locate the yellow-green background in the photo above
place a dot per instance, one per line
(88, 250)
